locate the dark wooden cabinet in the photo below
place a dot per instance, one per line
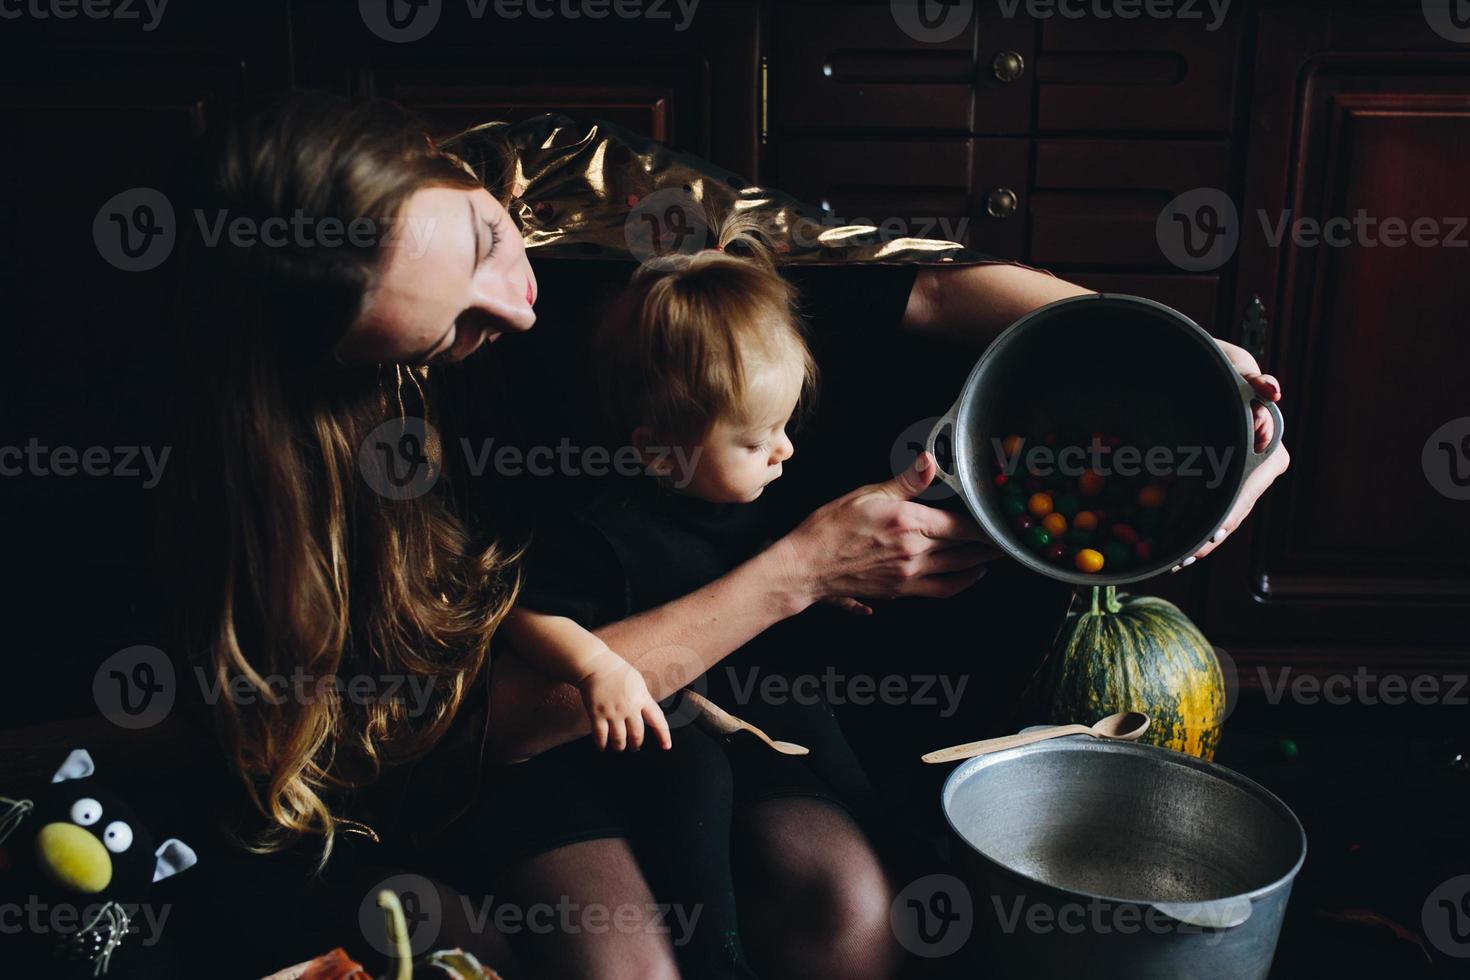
(1055, 142)
(1355, 559)
(695, 84)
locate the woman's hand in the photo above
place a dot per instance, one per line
(1273, 466)
(619, 705)
(877, 542)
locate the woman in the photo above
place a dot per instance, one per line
(302, 351)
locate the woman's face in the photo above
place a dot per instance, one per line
(455, 277)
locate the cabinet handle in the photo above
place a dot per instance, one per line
(1008, 66)
(1253, 328)
(1001, 203)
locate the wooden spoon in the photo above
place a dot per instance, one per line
(1124, 726)
(716, 719)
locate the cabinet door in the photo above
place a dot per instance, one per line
(968, 191)
(692, 80)
(846, 67)
(1141, 75)
(1095, 202)
(1357, 556)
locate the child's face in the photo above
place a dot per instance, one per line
(739, 456)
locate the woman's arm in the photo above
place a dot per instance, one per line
(972, 304)
(873, 542)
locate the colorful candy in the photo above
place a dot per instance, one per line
(1151, 496)
(1100, 517)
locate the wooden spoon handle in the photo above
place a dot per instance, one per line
(986, 745)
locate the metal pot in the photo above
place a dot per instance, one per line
(1111, 363)
(1111, 859)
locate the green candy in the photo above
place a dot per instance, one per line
(1116, 555)
(1037, 537)
(1067, 505)
(1012, 505)
(1079, 537)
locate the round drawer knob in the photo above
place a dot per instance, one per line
(1008, 66)
(1002, 202)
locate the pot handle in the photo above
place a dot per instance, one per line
(1223, 913)
(1278, 426)
(950, 480)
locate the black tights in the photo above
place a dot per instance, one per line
(813, 904)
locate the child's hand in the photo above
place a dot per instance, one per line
(620, 706)
(851, 605)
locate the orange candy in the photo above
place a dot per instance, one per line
(1039, 504)
(1085, 520)
(1090, 483)
(1012, 445)
(1151, 496)
(1055, 524)
(1088, 560)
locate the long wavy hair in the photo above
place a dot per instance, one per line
(297, 567)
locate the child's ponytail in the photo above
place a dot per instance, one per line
(743, 234)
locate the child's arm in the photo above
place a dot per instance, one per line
(613, 692)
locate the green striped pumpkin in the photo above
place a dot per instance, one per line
(1139, 653)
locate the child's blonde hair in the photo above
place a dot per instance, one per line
(674, 350)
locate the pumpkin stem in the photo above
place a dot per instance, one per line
(1096, 590)
(1110, 599)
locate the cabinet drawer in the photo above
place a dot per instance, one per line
(1196, 296)
(924, 188)
(854, 67)
(1137, 76)
(1096, 203)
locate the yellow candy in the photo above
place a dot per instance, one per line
(1088, 560)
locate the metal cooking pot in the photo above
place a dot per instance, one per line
(1111, 859)
(1111, 363)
